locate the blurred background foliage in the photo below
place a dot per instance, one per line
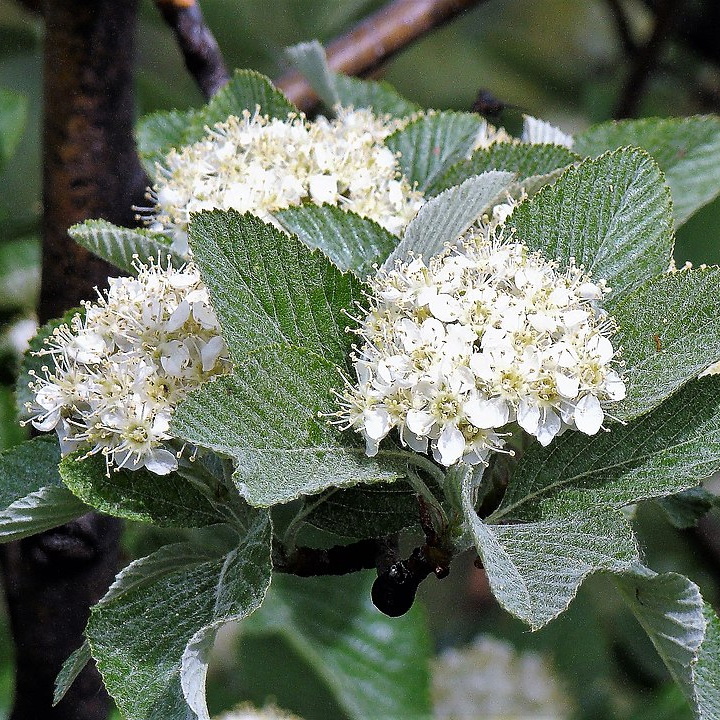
(562, 60)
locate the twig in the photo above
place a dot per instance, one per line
(645, 60)
(203, 58)
(622, 26)
(337, 560)
(376, 39)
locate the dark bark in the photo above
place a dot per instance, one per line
(199, 48)
(91, 170)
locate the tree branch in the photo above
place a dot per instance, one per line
(203, 58)
(376, 39)
(622, 26)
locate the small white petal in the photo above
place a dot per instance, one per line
(161, 462)
(485, 414)
(377, 423)
(450, 445)
(614, 386)
(419, 422)
(528, 416)
(588, 415)
(548, 427)
(568, 387)
(179, 317)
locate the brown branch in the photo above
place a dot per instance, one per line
(645, 60)
(203, 58)
(90, 170)
(337, 560)
(376, 39)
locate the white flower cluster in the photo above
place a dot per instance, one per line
(249, 712)
(257, 164)
(484, 335)
(119, 372)
(491, 679)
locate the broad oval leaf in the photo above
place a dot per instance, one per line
(372, 665)
(431, 143)
(140, 630)
(32, 497)
(269, 288)
(349, 241)
(612, 214)
(523, 159)
(669, 331)
(268, 416)
(446, 216)
(536, 568)
(686, 149)
(163, 500)
(671, 449)
(120, 246)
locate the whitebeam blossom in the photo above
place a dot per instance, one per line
(258, 164)
(484, 335)
(119, 373)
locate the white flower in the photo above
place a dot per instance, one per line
(485, 335)
(249, 712)
(258, 164)
(119, 372)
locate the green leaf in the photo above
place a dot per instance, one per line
(175, 598)
(523, 159)
(350, 241)
(333, 88)
(669, 331)
(613, 215)
(670, 609)
(119, 245)
(32, 497)
(433, 142)
(707, 669)
(373, 665)
(70, 670)
(159, 133)
(536, 568)
(164, 500)
(367, 510)
(309, 58)
(268, 417)
(13, 112)
(685, 508)
(380, 97)
(686, 149)
(268, 288)
(448, 215)
(669, 450)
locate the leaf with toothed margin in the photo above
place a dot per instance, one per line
(119, 245)
(32, 496)
(707, 669)
(448, 215)
(523, 159)
(612, 214)
(431, 143)
(268, 416)
(536, 568)
(269, 288)
(686, 149)
(349, 241)
(160, 132)
(151, 632)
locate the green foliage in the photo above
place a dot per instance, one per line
(268, 288)
(268, 416)
(686, 149)
(669, 331)
(119, 245)
(159, 133)
(707, 669)
(349, 241)
(71, 668)
(32, 497)
(13, 111)
(174, 500)
(432, 143)
(151, 631)
(685, 508)
(372, 665)
(526, 160)
(613, 215)
(448, 215)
